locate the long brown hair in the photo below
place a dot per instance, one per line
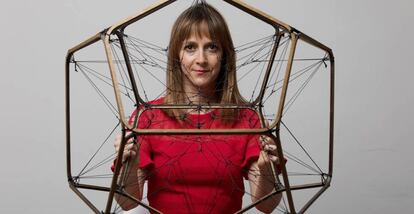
(189, 22)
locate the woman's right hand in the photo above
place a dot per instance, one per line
(129, 173)
(130, 149)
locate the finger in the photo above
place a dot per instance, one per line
(264, 140)
(129, 135)
(125, 155)
(131, 146)
(264, 156)
(128, 154)
(271, 149)
(128, 147)
(274, 159)
(130, 141)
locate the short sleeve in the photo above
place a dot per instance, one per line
(145, 158)
(145, 151)
(252, 153)
(252, 150)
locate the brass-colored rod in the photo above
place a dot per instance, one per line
(148, 207)
(124, 166)
(106, 189)
(151, 9)
(269, 67)
(125, 53)
(282, 164)
(68, 60)
(199, 131)
(311, 41)
(112, 30)
(286, 79)
(266, 79)
(84, 199)
(331, 112)
(272, 165)
(274, 192)
(121, 25)
(316, 196)
(259, 14)
(201, 106)
(245, 209)
(307, 186)
(67, 116)
(85, 43)
(118, 166)
(112, 69)
(91, 187)
(277, 122)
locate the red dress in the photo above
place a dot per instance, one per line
(196, 173)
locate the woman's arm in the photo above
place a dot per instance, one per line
(133, 183)
(261, 179)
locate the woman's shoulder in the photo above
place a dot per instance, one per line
(147, 105)
(156, 101)
(144, 110)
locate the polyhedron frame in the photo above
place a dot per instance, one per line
(117, 30)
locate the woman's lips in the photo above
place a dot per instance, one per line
(201, 71)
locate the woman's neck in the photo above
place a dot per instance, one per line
(201, 96)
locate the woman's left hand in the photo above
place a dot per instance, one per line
(268, 154)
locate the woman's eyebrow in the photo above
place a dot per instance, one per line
(187, 42)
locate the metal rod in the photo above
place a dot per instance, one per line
(259, 14)
(269, 67)
(284, 173)
(331, 112)
(118, 166)
(276, 123)
(89, 203)
(316, 196)
(294, 40)
(129, 67)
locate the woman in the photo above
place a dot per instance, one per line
(200, 174)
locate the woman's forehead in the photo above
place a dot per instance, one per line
(199, 30)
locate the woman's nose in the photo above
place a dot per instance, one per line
(201, 57)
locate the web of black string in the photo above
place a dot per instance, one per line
(138, 46)
(253, 57)
(278, 68)
(250, 59)
(320, 172)
(105, 160)
(313, 69)
(123, 74)
(97, 89)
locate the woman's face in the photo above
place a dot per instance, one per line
(200, 62)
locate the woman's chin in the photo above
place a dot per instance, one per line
(203, 84)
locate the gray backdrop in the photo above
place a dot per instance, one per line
(372, 42)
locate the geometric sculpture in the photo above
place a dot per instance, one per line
(273, 72)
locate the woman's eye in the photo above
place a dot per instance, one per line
(212, 47)
(189, 47)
